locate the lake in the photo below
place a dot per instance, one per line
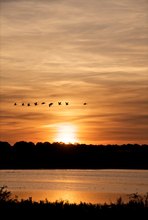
(95, 186)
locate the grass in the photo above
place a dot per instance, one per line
(135, 208)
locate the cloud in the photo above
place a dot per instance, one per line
(76, 50)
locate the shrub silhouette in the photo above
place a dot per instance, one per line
(5, 195)
(136, 208)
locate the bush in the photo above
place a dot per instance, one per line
(5, 195)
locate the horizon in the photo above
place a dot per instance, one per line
(74, 144)
(89, 54)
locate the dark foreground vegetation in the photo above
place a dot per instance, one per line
(27, 155)
(135, 208)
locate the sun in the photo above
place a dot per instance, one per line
(66, 134)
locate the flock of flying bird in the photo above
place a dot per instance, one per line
(43, 103)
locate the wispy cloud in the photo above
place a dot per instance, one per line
(77, 50)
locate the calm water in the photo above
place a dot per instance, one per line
(95, 186)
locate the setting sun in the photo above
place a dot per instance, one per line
(66, 134)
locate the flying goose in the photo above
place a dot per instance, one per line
(50, 104)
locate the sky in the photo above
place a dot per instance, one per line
(74, 51)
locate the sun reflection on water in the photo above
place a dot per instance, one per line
(70, 196)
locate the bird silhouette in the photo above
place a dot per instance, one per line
(50, 104)
(23, 104)
(35, 103)
(84, 103)
(28, 104)
(59, 103)
(43, 103)
(67, 103)
(15, 103)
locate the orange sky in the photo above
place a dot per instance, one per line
(77, 51)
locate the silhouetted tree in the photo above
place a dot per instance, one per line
(27, 155)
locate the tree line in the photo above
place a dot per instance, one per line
(27, 155)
